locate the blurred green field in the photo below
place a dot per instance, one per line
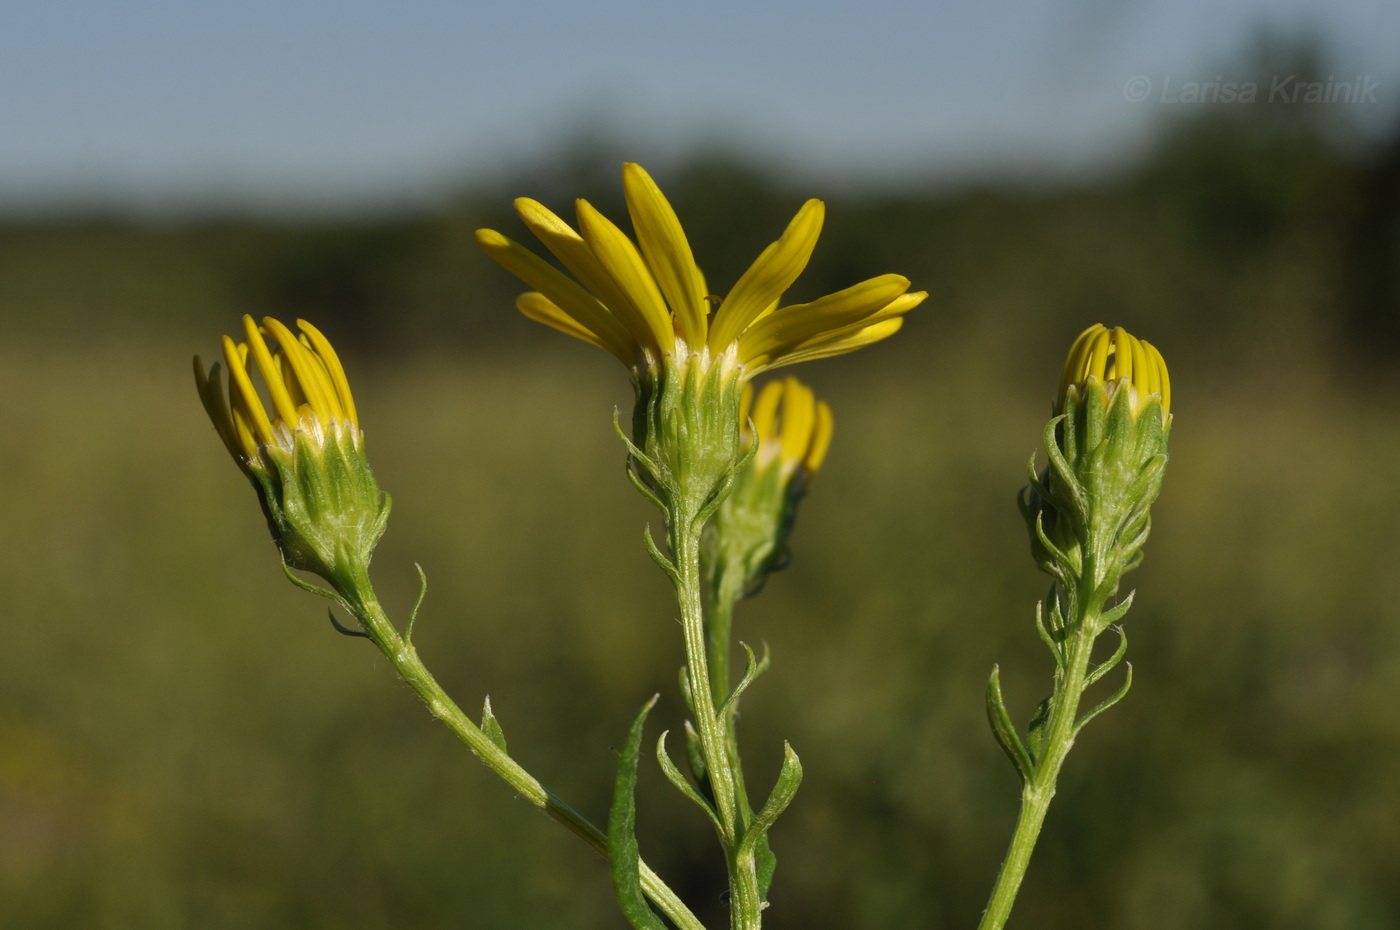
(185, 742)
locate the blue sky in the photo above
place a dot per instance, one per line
(160, 105)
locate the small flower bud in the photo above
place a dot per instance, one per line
(303, 452)
(1088, 511)
(747, 538)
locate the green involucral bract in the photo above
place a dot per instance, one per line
(1088, 511)
(686, 425)
(323, 505)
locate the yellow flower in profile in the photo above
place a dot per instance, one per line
(647, 301)
(1116, 360)
(303, 451)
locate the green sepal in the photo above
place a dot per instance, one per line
(624, 861)
(674, 776)
(789, 780)
(323, 506)
(685, 431)
(1004, 730)
(491, 726)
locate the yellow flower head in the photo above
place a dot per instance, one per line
(304, 380)
(647, 300)
(303, 452)
(1116, 360)
(794, 428)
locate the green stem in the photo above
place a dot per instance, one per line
(410, 667)
(1037, 793)
(724, 597)
(745, 903)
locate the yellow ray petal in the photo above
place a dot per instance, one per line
(541, 309)
(667, 252)
(625, 265)
(1077, 362)
(1098, 357)
(281, 397)
(559, 290)
(825, 346)
(765, 410)
(211, 394)
(241, 387)
(790, 326)
(799, 418)
(314, 384)
(1164, 384)
(568, 246)
(821, 438)
(769, 276)
(336, 371)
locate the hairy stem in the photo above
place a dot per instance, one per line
(1039, 790)
(410, 667)
(745, 902)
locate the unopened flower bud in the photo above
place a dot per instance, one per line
(747, 538)
(1088, 511)
(303, 452)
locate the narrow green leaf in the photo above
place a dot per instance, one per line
(1004, 730)
(1046, 636)
(624, 861)
(789, 780)
(754, 669)
(1108, 665)
(1107, 702)
(491, 726)
(674, 776)
(660, 558)
(1114, 614)
(422, 593)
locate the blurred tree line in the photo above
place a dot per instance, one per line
(1241, 221)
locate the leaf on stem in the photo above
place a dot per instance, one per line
(1108, 664)
(1004, 730)
(1107, 702)
(674, 776)
(624, 861)
(753, 670)
(789, 780)
(491, 726)
(422, 593)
